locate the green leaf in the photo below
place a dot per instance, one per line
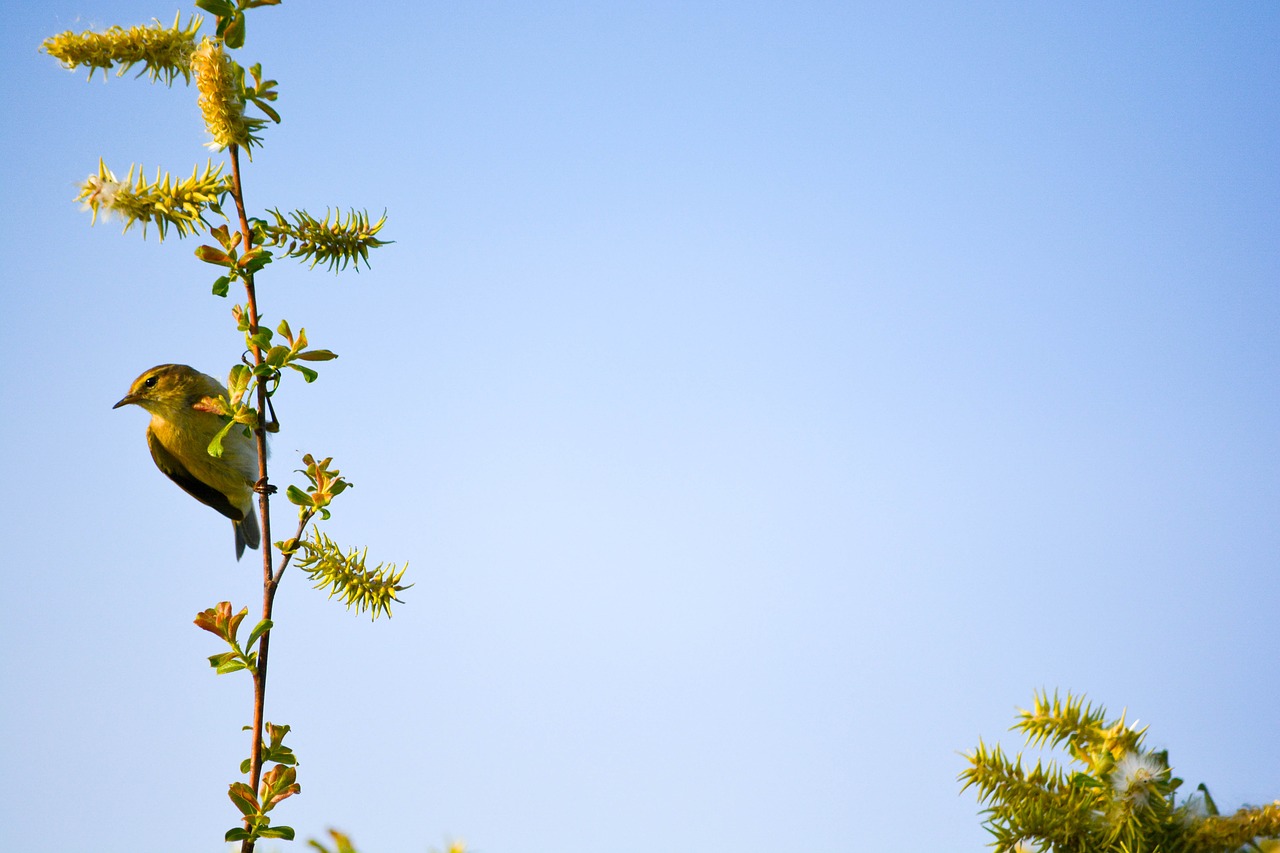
(230, 666)
(258, 630)
(307, 373)
(254, 260)
(285, 832)
(270, 111)
(215, 446)
(243, 797)
(237, 833)
(233, 34)
(262, 338)
(279, 783)
(277, 731)
(221, 285)
(1209, 804)
(238, 380)
(220, 8)
(317, 355)
(212, 255)
(299, 497)
(233, 622)
(276, 356)
(284, 330)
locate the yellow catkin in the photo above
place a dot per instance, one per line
(221, 97)
(164, 52)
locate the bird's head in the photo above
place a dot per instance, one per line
(168, 387)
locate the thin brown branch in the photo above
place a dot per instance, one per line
(270, 579)
(263, 488)
(286, 557)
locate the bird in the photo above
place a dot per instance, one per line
(184, 419)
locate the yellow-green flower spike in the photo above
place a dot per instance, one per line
(221, 84)
(164, 52)
(366, 589)
(165, 201)
(344, 240)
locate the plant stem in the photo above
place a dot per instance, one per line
(269, 583)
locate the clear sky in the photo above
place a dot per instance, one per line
(767, 397)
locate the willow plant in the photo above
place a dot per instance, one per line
(1117, 797)
(238, 104)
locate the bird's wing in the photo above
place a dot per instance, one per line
(201, 491)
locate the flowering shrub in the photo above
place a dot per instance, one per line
(1119, 798)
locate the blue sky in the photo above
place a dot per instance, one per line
(768, 398)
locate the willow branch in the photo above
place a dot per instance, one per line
(263, 488)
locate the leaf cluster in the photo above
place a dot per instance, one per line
(231, 407)
(227, 254)
(324, 484)
(273, 749)
(278, 783)
(279, 356)
(220, 622)
(261, 92)
(230, 17)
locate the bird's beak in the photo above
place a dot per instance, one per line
(126, 400)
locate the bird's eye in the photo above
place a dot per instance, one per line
(150, 382)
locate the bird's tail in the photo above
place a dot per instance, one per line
(247, 532)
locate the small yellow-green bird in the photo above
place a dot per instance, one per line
(183, 422)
